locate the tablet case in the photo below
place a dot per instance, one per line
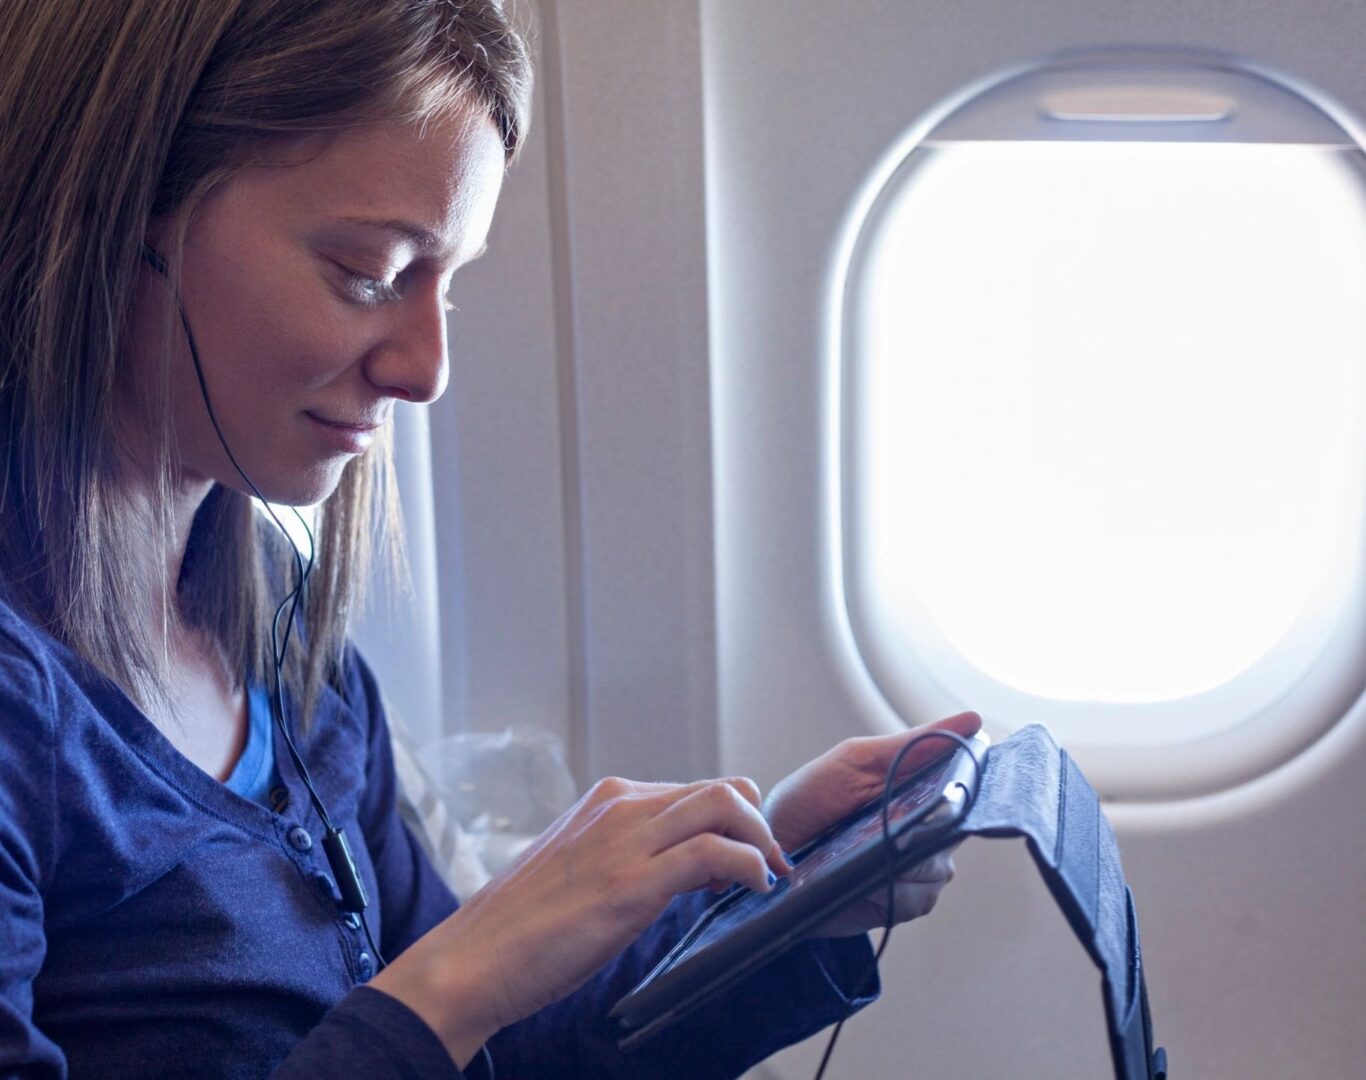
(1030, 787)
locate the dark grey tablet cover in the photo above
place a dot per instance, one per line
(1029, 787)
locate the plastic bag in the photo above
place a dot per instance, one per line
(503, 788)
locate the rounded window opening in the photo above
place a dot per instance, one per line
(1102, 405)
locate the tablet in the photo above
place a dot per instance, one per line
(744, 929)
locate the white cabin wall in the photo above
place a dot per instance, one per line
(630, 92)
(571, 454)
(497, 474)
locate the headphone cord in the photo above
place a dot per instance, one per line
(890, 849)
(335, 844)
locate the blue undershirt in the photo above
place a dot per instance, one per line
(254, 775)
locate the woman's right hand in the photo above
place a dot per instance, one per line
(578, 896)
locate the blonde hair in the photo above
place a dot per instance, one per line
(111, 115)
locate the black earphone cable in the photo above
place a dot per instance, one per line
(335, 845)
(293, 598)
(889, 848)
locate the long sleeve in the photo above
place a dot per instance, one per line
(27, 829)
(797, 995)
(373, 1035)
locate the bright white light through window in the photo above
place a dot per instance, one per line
(1107, 414)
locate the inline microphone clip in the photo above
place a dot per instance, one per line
(343, 864)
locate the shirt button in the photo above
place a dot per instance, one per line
(299, 839)
(352, 920)
(365, 966)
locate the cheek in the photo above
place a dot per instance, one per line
(270, 321)
(274, 349)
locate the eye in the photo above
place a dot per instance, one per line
(370, 292)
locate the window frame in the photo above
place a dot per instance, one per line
(930, 683)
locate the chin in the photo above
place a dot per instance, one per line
(304, 487)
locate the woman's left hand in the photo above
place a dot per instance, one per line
(847, 776)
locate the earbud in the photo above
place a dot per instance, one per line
(153, 258)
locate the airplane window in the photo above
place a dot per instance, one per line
(1103, 410)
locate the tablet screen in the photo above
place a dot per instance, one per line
(831, 851)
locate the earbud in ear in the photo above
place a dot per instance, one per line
(154, 259)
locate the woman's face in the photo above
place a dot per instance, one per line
(316, 295)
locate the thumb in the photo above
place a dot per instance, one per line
(929, 748)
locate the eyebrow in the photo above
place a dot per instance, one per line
(422, 237)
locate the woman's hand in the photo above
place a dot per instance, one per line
(581, 893)
(853, 773)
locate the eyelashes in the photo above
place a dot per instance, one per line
(369, 292)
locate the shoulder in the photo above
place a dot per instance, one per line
(360, 688)
(29, 707)
(346, 741)
(27, 661)
(354, 699)
(43, 682)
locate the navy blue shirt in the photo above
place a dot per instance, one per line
(155, 922)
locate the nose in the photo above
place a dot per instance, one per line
(411, 363)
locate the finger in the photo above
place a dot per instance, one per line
(873, 753)
(912, 896)
(612, 794)
(710, 858)
(718, 807)
(937, 869)
(615, 787)
(618, 787)
(931, 748)
(914, 901)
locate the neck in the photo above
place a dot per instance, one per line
(157, 564)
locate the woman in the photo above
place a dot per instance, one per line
(226, 233)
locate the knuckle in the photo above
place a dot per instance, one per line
(610, 787)
(721, 794)
(708, 849)
(711, 846)
(856, 747)
(747, 789)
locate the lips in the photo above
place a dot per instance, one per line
(343, 436)
(359, 426)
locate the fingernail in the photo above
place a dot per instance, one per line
(772, 879)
